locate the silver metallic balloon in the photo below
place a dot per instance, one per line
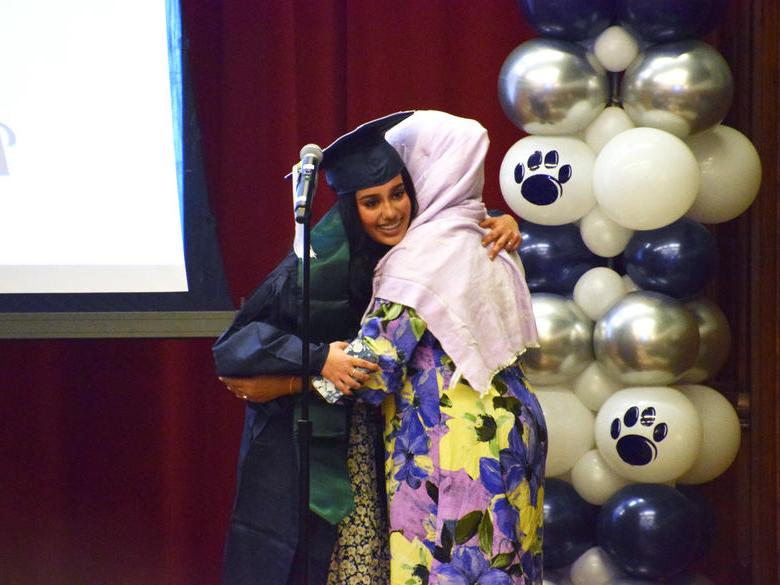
(647, 339)
(682, 88)
(565, 340)
(552, 87)
(594, 566)
(555, 578)
(715, 341)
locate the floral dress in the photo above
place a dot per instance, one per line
(464, 472)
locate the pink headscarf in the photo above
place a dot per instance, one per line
(480, 311)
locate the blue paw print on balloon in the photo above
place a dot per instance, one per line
(637, 449)
(542, 188)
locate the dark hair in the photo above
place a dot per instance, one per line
(364, 253)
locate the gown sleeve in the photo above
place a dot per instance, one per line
(263, 338)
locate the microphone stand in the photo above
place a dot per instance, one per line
(307, 183)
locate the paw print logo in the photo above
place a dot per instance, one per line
(542, 188)
(637, 449)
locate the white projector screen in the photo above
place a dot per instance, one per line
(90, 148)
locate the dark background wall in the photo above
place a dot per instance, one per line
(117, 457)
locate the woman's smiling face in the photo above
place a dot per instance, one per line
(385, 211)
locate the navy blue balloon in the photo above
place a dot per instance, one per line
(569, 524)
(554, 257)
(685, 578)
(570, 20)
(650, 530)
(677, 260)
(663, 21)
(706, 514)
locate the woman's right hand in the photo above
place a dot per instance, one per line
(262, 388)
(341, 368)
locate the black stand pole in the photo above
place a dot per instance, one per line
(303, 216)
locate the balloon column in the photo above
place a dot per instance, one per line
(624, 159)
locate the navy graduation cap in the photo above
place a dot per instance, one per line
(363, 158)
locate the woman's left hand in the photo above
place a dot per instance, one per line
(504, 234)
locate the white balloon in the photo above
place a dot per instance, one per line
(645, 178)
(569, 428)
(594, 385)
(594, 567)
(609, 123)
(597, 290)
(601, 235)
(650, 434)
(615, 48)
(594, 480)
(548, 179)
(565, 476)
(730, 174)
(720, 433)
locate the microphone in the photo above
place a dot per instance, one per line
(311, 154)
(311, 157)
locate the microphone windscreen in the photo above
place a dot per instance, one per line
(312, 150)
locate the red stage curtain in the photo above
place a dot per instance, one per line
(118, 456)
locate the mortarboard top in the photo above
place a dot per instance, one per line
(363, 158)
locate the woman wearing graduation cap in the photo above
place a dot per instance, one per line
(264, 340)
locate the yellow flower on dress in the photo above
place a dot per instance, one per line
(391, 425)
(531, 517)
(430, 525)
(476, 430)
(410, 561)
(381, 347)
(388, 412)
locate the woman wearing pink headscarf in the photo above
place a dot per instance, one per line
(465, 437)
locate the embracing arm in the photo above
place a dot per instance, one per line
(263, 337)
(388, 336)
(504, 234)
(391, 332)
(339, 366)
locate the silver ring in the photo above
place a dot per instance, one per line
(353, 372)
